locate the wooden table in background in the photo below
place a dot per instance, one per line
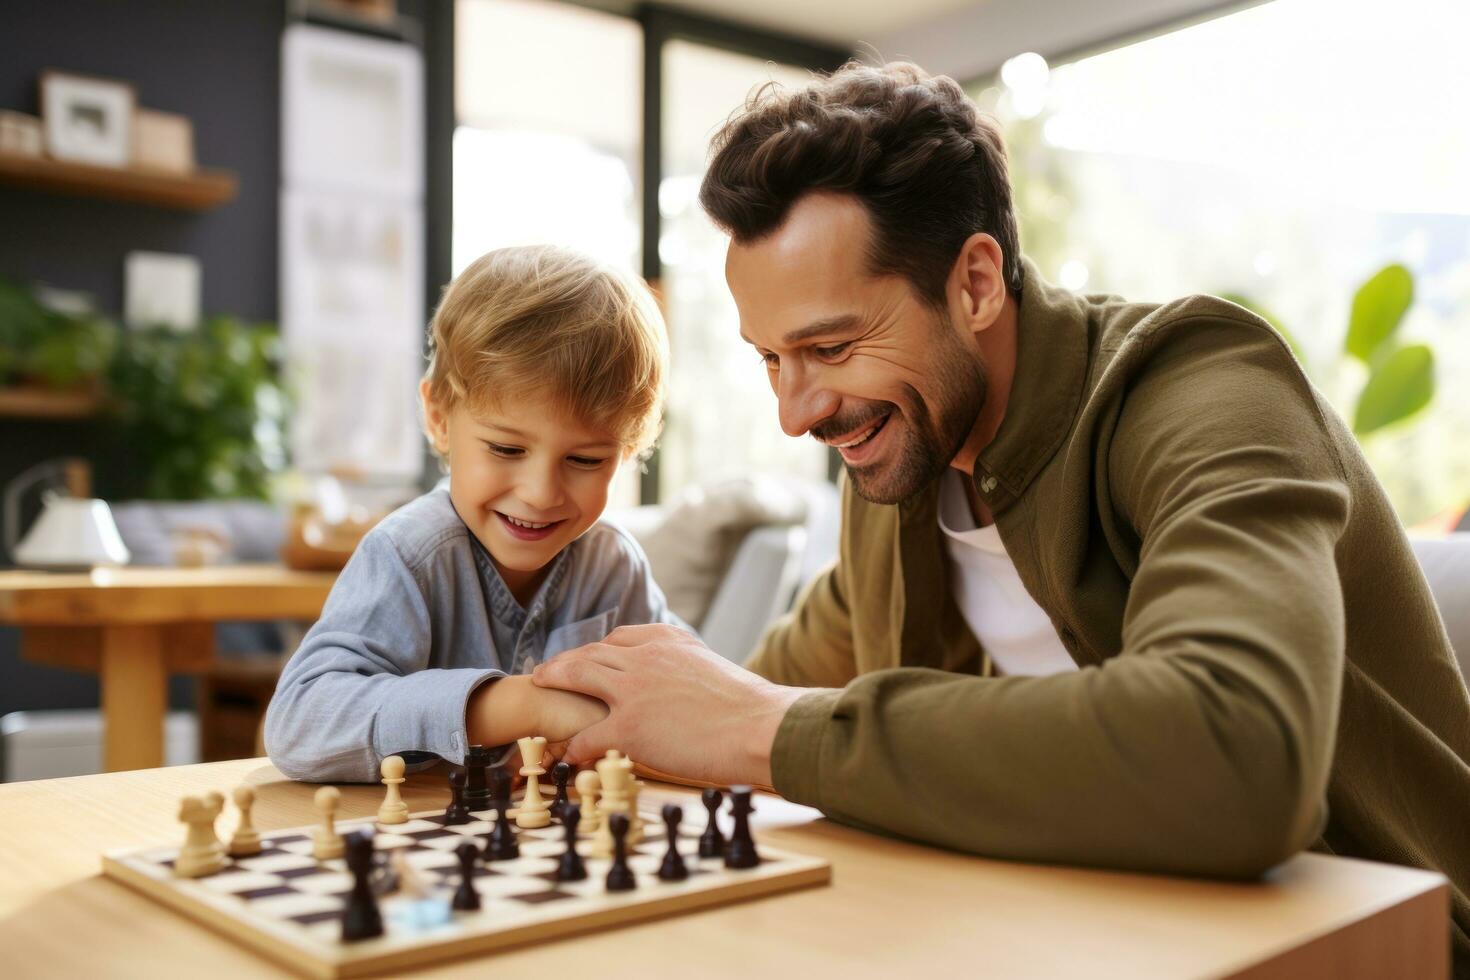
(135, 626)
(893, 909)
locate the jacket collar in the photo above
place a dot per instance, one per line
(1051, 375)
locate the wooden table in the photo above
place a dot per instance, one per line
(893, 909)
(134, 626)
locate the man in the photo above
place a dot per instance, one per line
(1116, 586)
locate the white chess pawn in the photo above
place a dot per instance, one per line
(393, 810)
(201, 854)
(246, 841)
(325, 841)
(587, 789)
(534, 810)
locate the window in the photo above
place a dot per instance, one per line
(722, 418)
(550, 147)
(1284, 153)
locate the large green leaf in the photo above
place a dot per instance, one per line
(1378, 307)
(1401, 384)
(1264, 314)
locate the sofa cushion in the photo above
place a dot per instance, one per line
(693, 547)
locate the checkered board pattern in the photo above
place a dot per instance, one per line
(287, 905)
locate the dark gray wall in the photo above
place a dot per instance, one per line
(217, 63)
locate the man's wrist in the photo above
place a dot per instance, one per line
(761, 736)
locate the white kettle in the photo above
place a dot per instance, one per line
(73, 533)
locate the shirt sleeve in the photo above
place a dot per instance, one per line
(359, 687)
(1204, 747)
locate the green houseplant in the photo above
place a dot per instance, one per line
(1400, 376)
(50, 348)
(202, 408)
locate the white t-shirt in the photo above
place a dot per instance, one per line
(1011, 627)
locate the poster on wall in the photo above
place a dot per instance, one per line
(352, 250)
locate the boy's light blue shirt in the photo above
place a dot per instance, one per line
(418, 619)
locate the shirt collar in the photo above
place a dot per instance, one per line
(1052, 355)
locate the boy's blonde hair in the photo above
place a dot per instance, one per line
(547, 320)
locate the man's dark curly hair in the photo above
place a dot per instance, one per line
(927, 165)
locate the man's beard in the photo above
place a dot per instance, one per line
(935, 431)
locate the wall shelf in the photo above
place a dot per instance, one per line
(196, 191)
(35, 402)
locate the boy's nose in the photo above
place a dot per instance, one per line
(542, 492)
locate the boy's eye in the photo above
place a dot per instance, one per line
(833, 351)
(508, 452)
(591, 462)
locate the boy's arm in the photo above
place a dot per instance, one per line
(509, 708)
(358, 689)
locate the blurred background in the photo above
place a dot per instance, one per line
(226, 224)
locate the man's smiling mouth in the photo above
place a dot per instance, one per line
(862, 436)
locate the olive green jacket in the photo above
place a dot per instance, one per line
(1263, 666)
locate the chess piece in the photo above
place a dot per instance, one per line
(672, 868)
(326, 843)
(466, 899)
(410, 882)
(615, 774)
(587, 789)
(201, 854)
(619, 876)
(246, 841)
(361, 918)
(635, 820)
(570, 867)
(561, 772)
(740, 852)
(393, 810)
(712, 842)
(476, 793)
(502, 844)
(456, 812)
(534, 810)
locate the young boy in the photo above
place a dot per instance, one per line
(545, 374)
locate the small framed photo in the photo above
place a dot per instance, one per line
(87, 120)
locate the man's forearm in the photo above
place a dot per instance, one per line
(1137, 769)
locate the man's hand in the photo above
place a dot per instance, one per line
(675, 705)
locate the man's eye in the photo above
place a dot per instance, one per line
(770, 360)
(834, 351)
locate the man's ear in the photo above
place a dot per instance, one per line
(977, 288)
(436, 420)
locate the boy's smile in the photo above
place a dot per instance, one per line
(525, 477)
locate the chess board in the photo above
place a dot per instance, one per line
(284, 903)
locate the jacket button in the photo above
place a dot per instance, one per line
(987, 484)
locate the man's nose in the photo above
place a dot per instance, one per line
(803, 403)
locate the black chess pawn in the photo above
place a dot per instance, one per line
(501, 844)
(560, 772)
(466, 899)
(619, 876)
(570, 867)
(672, 868)
(740, 852)
(712, 842)
(456, 812)
(476, 793)
(360, 917)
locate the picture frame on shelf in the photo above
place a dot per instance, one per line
(87, 119)
(163, 141)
